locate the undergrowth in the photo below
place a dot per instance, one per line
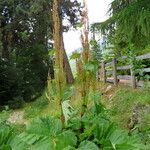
(35, 108)
(92, 131)
(124, 102)
(131, 107)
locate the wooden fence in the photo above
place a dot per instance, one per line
(115, 78)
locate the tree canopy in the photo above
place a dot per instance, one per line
(26, 32)
(128, 24)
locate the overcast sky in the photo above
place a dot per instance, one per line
(97, 13)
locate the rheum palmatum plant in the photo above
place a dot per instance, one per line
(86, 66)
(48, 133)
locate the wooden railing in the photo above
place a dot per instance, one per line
(104, 72)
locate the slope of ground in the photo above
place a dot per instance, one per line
(129, 108)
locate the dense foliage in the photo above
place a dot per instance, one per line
(30, 33)
(128, 25)
(93, 131)
(26, 29)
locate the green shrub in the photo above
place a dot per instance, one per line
(36, 107)
(94, 132)
(9, 81)
(16, 103)
(9, 140)
(4, 115)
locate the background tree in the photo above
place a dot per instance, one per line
(128, 25)
(26, 29)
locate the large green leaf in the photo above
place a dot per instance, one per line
(5, 147)
(46, 134)
(30, 138)
(43, 144)
(75, 55)
(48, 126)
(8, 139)
(41, 133)
(104, 129)
(87, 145)
(118, 137)
(91, 66)
(74, 123)
(17, 143)
(65, 139)
(125, 146)
(68, 93)
(67, 110)
(5, 133)
(69, 148)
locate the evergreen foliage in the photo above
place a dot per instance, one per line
(26, 29)
(129, 23)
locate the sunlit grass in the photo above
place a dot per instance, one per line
(124, 101)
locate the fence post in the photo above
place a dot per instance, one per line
(133, 79)
(98, 74)
(103, 72)
(114, 64)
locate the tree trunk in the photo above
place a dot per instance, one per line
(85, 78)
(57, 35)
(66, 65)
(62, 68)
(59, 43)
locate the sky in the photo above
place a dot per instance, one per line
(97, 13)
